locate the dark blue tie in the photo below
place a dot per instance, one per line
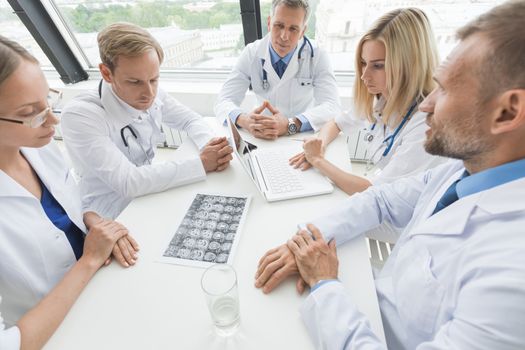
(279, 67)
(450, 195)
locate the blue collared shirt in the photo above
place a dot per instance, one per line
(305, 124)
(275, 56)
(489, 178)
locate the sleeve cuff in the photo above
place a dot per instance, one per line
(10, 338)
(234, 115)
(322, 283)
(305, 123)
(327, 236)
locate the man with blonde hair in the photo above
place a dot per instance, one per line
(455, 279)
(111, 133)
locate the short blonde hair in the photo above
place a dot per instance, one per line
(125, 39)
(411, 57)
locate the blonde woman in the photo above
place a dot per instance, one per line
(395, 61)
(46, 259)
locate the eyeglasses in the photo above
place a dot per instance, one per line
(53, 100)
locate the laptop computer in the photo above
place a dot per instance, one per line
(269, 169)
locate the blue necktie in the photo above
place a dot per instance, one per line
(279, 67)
(450, 195)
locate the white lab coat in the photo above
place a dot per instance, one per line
(113, 174)
(455, 280)
(318, 102)
(9, 337)
(406, 158)
(34, 253)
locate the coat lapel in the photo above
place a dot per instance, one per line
(263, 53)
(449, 221)
(51, 182)
(11, 188)
(499, 200)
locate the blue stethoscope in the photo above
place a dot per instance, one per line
(389, 141)
(303, 82)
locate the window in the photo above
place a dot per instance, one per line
(339, 24)
(14, 29)
(208, 35)
(347, 27)
(193, 34)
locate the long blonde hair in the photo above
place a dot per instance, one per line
(411, 57)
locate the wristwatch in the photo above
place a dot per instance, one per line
(292, 127)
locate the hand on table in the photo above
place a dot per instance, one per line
(315, 258)
(274, 267)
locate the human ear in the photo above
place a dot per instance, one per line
(105, 72)
(304, 30)
(510, 113)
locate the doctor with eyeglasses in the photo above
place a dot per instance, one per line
(49, 247)
(111, 133)
(290, 76)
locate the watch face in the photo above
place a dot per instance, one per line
(292, 128)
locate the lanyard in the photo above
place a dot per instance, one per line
(389, 141)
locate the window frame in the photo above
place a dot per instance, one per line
(40, 24)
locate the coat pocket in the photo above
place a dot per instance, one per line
(419, 294)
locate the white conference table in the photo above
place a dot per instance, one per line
(161, 306)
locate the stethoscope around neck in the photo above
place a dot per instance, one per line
(132, 132)
(302, 82)
(389, 140)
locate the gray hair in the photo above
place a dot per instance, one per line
(296, 4)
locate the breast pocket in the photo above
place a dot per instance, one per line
(302, 94)
(303, 84)
(419, 294)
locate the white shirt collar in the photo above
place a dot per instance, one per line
(122, 111)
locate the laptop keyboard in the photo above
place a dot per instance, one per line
(278, 173)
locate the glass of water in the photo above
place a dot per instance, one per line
(219, 283)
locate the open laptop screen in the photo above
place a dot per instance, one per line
(243, 149)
